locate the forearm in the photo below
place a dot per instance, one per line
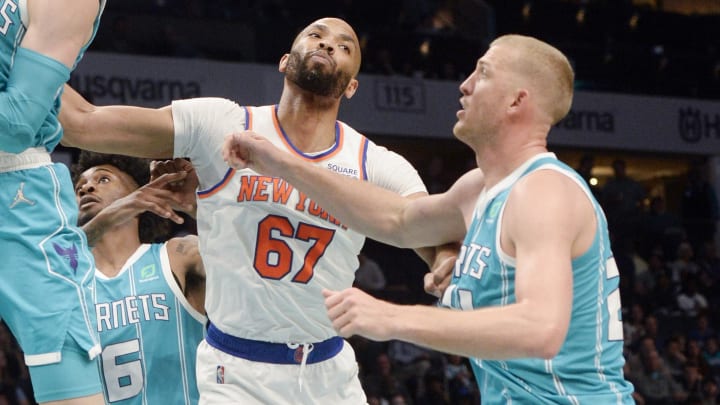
(100, 224)
(124, 130)
(491, 333)
(32, 87)
(432, 255)
(378, 213)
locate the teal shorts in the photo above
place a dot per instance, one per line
(75, 376)
(46, 268)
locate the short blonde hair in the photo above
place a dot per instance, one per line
(547, 69)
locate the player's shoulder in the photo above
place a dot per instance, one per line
(186, 241)
(550, 178)
(208, 103)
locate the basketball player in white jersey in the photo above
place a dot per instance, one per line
(269, 251)
(148, 296)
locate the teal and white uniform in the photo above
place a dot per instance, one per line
(46, 274)
(149, 333)
(588, 368)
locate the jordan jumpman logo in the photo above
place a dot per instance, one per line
(20, 197)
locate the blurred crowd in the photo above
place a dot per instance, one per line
(625, 46)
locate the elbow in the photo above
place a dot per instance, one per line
(548, 340)
(67, 142)
(73, 129)
(72, 140)
(395, 233)
(389, 225)
(398, 239)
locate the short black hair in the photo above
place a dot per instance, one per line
(152, 228)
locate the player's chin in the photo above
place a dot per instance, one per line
(84, 216)
(459, 129)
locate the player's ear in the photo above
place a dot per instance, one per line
(519, 100)
(283, 63)
(351, 88)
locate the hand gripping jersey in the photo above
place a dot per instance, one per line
(267, 248)
(588, 368)
(149, 332)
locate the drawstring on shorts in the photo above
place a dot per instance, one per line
(305, 349)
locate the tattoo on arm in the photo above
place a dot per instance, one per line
(181, 248)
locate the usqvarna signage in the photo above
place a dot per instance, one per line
(403, 106)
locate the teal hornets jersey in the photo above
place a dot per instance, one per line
(13, 24)
(148, 331)
(588, 368)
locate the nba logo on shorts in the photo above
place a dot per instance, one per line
(220, 374)
(298, 355)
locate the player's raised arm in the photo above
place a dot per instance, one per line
(41, 65)
(59, 29)
(124, 130)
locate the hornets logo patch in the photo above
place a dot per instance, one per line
(70, 254)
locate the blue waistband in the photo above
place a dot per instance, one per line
(275, 353)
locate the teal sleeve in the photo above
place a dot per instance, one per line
(35, 81)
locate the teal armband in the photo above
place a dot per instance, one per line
(34, 83)
(37, 76)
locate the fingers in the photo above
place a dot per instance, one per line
(227, 151)
(159, 168)
(234, 152)
(183, 164)
(429, 285)
(339, 311)
(444, 270)
(333, 303)
(167, 178)
(178, 176)
(160, 202)
(437, 280)
(168, 214)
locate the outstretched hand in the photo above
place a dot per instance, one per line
(155, 197)
(354, 312)
(184, 189)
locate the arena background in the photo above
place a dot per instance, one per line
(647, 93)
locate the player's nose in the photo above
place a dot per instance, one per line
(326, 47)
(86, 188)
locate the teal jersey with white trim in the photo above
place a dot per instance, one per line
(589, 367)
(13, 24)
(148, 331)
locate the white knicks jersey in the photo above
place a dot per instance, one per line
(268, 249)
